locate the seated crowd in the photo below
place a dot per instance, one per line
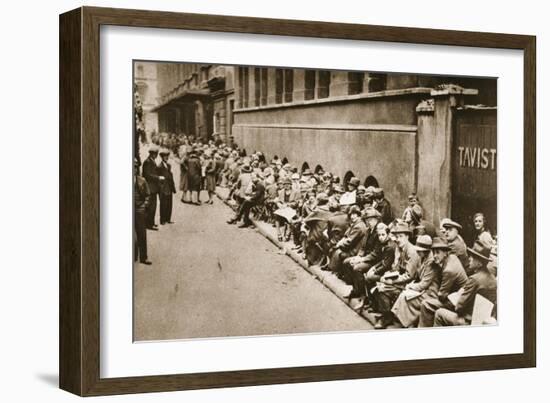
(403, 270)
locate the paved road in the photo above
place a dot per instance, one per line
(211, 279)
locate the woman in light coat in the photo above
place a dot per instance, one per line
(425, 284)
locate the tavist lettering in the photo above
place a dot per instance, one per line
(477, 157)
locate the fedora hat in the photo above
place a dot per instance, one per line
(423, 243)
(354, 210)
(401, 228)
(480, 251)
(153, 149)
(354, 181)
(371, 212)
(439, 243)
(246, 168)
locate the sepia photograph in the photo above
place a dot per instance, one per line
(277, 200)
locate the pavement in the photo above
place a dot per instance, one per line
(339, 288)
(212, 279)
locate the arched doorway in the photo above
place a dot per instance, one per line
(371, 181)
(347, 177)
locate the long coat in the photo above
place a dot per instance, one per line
(167, 186)
(184, 182)
(425, 282)
(458, 247)
(406, 264)
(482, 282)
(210, 171)
(194, 174)
(151, 175)
(453, 277)
(354, 238)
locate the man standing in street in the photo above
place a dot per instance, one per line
(150, 173)
(167, 188)
(141, 203)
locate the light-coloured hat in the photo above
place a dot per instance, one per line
(423, 243)
(451, 224)
(439, 243)
(401, 228)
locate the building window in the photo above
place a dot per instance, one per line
(243, 87)
(257, 86)
(289, 85)
(278, 86)
(309, 84)
(371, 181)
(323, 83)
(377, 82)
(240, 86)
(231, 116)
(347, 177)
(355, 82)
(263, 91)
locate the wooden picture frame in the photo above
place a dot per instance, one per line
(79, 346)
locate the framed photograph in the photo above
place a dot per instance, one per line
(249, 201)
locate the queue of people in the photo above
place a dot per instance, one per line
(401, 268)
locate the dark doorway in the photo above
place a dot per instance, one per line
(371, 181)
(347, 177)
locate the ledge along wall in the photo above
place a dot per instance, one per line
(367, 135)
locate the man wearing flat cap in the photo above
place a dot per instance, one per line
(453, 277)
(151, 175)
(141, 204)
(457, 245)
(481, 282)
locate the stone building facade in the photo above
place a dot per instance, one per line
(395, 131)
(145, 81)
(195, 99)
(402, 132)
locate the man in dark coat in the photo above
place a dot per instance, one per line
(481, 282)
(141, 203)
(383, 206)
(350, 245)
(194, 176)
(167, 188)
(150, 173)
(453, 277)
(367, 257)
